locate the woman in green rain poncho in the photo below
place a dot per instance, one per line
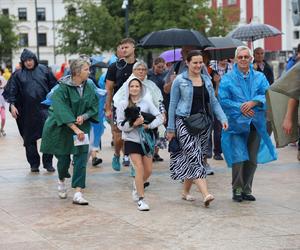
(74, 105)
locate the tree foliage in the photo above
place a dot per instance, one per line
(8, 38)
(147, 16)
(222, 21)
(87, 28)
(94, 27)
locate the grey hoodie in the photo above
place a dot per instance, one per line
(131, 133)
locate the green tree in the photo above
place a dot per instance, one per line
(8, 38)
(147, 16)
(87, 28)
(222, 21)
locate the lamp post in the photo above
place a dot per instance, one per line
(37, 31)
(125, 6)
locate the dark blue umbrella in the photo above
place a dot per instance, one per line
(175, 38)
(224, 47)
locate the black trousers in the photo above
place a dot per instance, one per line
(214, 144)
(33, 156)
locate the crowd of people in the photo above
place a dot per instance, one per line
(202, 109)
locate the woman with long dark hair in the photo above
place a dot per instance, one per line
(134, 129)
(191, 93)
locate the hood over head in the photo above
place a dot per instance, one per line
(27, 54)
(126, 85)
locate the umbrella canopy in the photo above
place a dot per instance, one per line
(96, 59)
(224, 47)
(171, 55)
(254, 31)
(175, 38)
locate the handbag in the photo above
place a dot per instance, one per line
(198, 122)
(174, 145)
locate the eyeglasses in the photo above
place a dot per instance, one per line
(243, 57)
(140, 69)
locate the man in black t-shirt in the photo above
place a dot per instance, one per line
(117, 74)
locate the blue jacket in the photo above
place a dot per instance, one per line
(182, 99)
(234, 90)
(291, 62)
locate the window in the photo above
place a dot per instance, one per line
(5, 12)
(41, 14)
(231, 2)
(42, 39)
(23, 39)
(22, 14)
(296, 34)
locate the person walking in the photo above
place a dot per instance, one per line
(25, 90)
(117, 74)
(242, 97)
(2, 105)
(191, 93)
(218, 70)
(134, 145)
(293, 103)
(260, 64)
(74, 106)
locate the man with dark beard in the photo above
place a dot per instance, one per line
(25, 90)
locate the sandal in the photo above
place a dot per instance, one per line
(208, 199)
(188, 197)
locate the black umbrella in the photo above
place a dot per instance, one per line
(224, 47)
(175, 38)
(254, 31)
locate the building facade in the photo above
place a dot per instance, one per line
(277, 13)
(48, 14)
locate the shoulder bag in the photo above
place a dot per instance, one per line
(200, 121)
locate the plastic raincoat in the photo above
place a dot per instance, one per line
(234, 90)
(26, 89)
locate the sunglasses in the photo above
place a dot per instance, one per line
(243, 57)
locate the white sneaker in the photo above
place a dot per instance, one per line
(143, 206)
(62, 190)
(135, 195)
(79, 200)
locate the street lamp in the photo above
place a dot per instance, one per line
(125, 6)
(37, 31)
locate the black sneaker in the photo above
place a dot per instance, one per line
(126, 161)
(50, 169)
(248, 197)
(34, 170)
(237, 195)
(146, 184)
(218, 157)
(156, 157)
(96, 161)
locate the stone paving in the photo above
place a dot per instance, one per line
(33, 217)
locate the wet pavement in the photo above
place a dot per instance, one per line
(33, 217)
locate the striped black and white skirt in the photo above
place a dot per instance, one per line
(187, 163)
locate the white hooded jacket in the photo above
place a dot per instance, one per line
(131, 133)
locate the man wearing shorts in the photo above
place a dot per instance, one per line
(117, 74)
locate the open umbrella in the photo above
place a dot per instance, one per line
(168, 55)
(254, 31)
(175, 38)
(224, 47)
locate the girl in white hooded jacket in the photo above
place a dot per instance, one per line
(135, 91)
